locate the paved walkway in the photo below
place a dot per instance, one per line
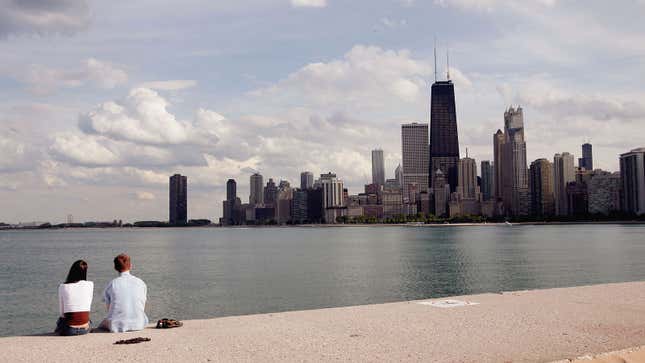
(529, 326)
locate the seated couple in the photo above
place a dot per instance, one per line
(125, 297)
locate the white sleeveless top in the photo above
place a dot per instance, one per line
(75, 297)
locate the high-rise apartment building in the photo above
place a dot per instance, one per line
(444, 139)
(306, 180)
(270, 193)
(299, 206)
(332, 189)
(586, 161)
(378, 167)
(467, 178)
(510, 160)
(440, 194)
(487, 187)
(229, 204)
(415, 152)
(563, 174)
(541, 188)
(256, 196)
(178, 198)
(498, 146)
(632, 172)
(604, 193)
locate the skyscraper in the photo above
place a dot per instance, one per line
(467, 178)
(306, 180)
(415, 151)
(440, 194)
(256, 186)
(514, 171)
(632, 172)
(541, 188)
(270, 193)
(444, 140)
(604, 193)
(378, 167)
(178, 198)
(398, 175)
(586, 161)
(332, 193)
(487, 184)
(498, 145)
(229, 203)
(563, 174)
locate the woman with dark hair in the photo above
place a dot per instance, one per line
(75, 301)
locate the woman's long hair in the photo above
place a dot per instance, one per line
(77, 272)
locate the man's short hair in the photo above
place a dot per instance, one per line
(122, 262)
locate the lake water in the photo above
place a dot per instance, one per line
(212, 272)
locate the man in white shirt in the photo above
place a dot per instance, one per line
(125, 297)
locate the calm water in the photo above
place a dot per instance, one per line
(210, 272)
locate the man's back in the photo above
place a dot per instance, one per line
(126, 298)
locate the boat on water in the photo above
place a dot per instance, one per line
(508, 223)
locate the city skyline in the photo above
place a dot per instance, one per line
(78, 95)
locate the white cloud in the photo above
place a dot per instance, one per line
(42, 17)
(172, 85)
(491, 5)
(309, 3)
(14, 154)
(43, 80)
(143, 117)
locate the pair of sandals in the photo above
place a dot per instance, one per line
(168, 323)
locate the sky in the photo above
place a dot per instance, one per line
(101, 101)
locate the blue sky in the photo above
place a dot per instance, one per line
(101, 101)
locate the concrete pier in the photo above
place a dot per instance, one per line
(524, 326)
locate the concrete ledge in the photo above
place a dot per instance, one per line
(525, 326)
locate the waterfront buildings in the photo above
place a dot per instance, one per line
(586, 161)
(632, 172)
(563, 174)
(604, 193)
(467, 179)
(441, 192)
(498, 146)
(332, 197)
(256, 196)
(510, 160)
(415, 152)
(444, 140)
(178, 214)
(398, 175)
(270, 193)
(487, 186)
(229, 205)
(378, 167)
(541, 188)
(306, 180)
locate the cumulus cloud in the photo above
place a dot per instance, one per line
(43, 16)
(309, 3)
(172, 85)
(14, 154)
(143, 117)
(41, 80)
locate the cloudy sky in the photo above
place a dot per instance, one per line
(100, 101)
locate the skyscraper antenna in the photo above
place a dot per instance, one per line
(435, 58)
(448, 63)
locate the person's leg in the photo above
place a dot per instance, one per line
(59, 325)
(105, 325)
(78, 331)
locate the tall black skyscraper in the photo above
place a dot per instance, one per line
(444, 141)
(178, 199)
(229, 203)
(586, 161)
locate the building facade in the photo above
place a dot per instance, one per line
(514, 178)
(632, 172)
(541, 188)
(378, 167)
(586, 161)
(604, 193)
(487, 187)
(256, 185)
(498, 146)
(270, 193)
(444, 139)
(306, 180)
(415, 151)
(333, 198)
(563, 174)
(467, 178)
(178, 197)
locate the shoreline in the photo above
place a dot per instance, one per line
(560, 324)
(411, 224)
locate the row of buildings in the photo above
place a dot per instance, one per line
(433, 179)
